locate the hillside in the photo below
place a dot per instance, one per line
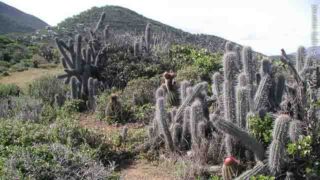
(13, 20)
(124, 20)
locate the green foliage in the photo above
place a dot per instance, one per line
(9, 90)
(204, 61)
(143, 113)
(190, 73)
(46, 88)
(71, 106)
(261, 128)
(35, 150)
(140, 91)
(302, 148)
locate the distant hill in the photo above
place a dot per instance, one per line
(123, 20)
(13, 20)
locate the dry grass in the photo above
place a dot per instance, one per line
(25, 77)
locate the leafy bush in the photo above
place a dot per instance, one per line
(112, 109)
(302, 148)
(29, 150)
(46, 88)
(261, 128)
(7, 90)
(54, 161)
(190, 73)
(206, 62)
(143, 113)
(140, 91)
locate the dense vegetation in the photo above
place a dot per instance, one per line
(18, 55)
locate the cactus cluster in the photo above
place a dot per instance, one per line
(238, 94)
(82, 60)
(85, 59)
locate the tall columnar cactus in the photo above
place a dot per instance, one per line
(247, 61)
(295, 130)
(217, 80)
(276, 156)
(186, 133)
(136, 48)
(147, 38)
(183, 90)
(246, 139)
(300, 58)
(93, 85)
(228, 47)
(202, 125)
(277, 152)
(75, 86)
(176, 134)
(237, 49)
(196, 115)
(228, 87)
(265, 67)
(196, 90)
(261, 98)
(164, 127)
(279, 89)
(242, 99)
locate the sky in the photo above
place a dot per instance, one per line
(265, 25)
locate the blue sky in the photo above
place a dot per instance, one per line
(265, 25)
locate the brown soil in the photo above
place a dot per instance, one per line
(138, 169)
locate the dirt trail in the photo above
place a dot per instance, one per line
(143, 170)
(137, 170)
(23, 78)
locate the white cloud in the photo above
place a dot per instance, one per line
(267, 26)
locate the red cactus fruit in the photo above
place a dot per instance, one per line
(230, 161)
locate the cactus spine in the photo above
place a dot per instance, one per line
(277, 151)
(300, 58)
(247, 140)
(161, 117)
(147, 38)
(183, 90)
(243, 98)
(196, 90)
(259, 168)
(196, 115)
(295, 130)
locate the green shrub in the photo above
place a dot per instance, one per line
(140, 91)
(30, 150)
(72, 106)
(46, 88)
(190, 73)
(261, 128)
(143, 113)
(206, 62)
(5, 64)
(302, 148)
(113, 110)
(7, 90)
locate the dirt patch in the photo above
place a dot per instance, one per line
(144, 170)
(137, 169)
